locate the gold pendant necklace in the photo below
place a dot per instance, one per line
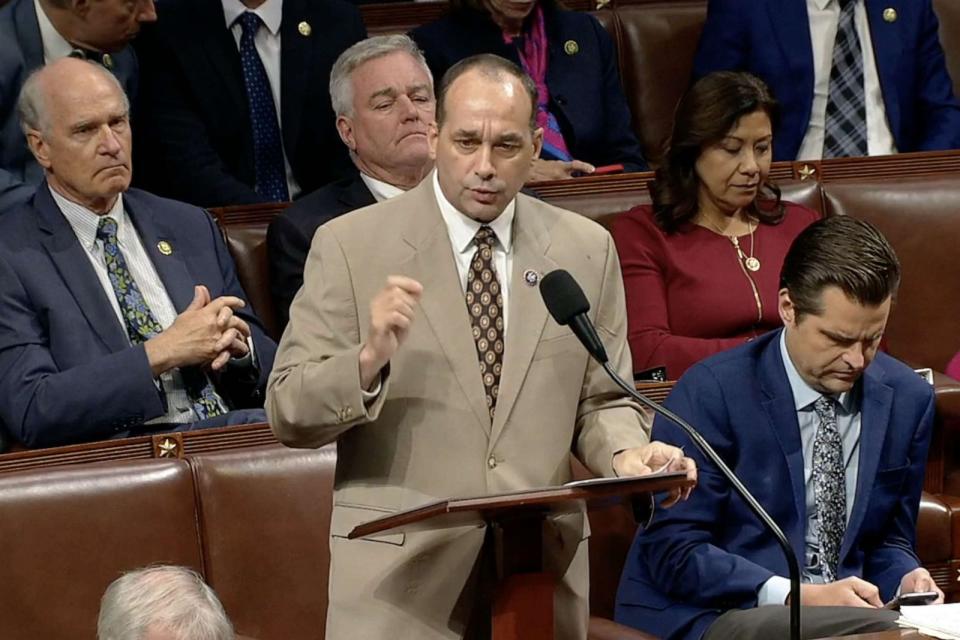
(750, 262)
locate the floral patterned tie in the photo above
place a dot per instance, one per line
(830, 487)
(485, 305)
(140, 322)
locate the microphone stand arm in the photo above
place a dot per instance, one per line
(709, 452)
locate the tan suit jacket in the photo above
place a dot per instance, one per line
(428, 434)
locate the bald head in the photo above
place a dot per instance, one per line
(75, 116)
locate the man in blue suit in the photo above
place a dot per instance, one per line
(828, 434)
(813, 53)
(120, 312)
(37, 32)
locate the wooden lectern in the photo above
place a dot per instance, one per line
(523, 602)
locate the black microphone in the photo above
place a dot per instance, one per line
(568, 306)
(566, 303)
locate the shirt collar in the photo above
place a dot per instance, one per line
(85, 222)
(55, 46)
(822, 4)
(271, 12)
(803, 394)
(381, 190)
(462, 229)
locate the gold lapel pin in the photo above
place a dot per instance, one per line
(304, 28)
(165, 247)
(107, 61)
(890, 14)
(571, 48)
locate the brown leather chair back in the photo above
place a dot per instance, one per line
(265, 518)
(802, 192)
(68, 533)
(658, 44)
(919, 217)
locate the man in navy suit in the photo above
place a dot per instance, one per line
(29, 39)
(234, 100)
(905, 100)
(829, 435)
(382, 93)
(120, 312)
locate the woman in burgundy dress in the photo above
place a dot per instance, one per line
(701, 265)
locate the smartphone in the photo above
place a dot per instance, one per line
(912, 599)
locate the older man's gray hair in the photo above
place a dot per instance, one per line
(341, 88)
(173, 599)
(31, 106)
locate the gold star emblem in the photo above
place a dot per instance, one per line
(571, 48)
(807, 171)
(168, 448)
(165, 247)
(889, 14)
(304, 28)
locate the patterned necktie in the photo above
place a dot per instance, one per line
(845, 127)
(140, 322)
(267, 145)
(829, 483)
(485, 305)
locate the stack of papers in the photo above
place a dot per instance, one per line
(934, 620)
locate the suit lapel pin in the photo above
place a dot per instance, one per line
(890, 14)
(165, 247)
(531, 277)
(304, 28)
(571, 48)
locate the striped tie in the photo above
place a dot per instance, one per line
(845, 127)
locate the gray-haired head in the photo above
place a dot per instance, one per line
(31, 105)
(171, 599)
(341, 88)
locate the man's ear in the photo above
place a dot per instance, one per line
(433, 137)
(38, 147)
(80, 7)
(788, 312)
(345, 129)
(537, 142)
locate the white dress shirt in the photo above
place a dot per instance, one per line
(824, 18)
(55, 46)
(379, 189)
(776, 589)
(267, 42)
(462, 230)
(84, 223)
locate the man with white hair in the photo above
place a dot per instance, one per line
(120, 312)
(162, 603)
(382, 92)
(38, 32)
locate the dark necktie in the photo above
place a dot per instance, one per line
(267, 143)
(103, 59)
(141, 325)
(845, 125)
(829, 483)
(485, 305)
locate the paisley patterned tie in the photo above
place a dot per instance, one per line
(485, 305)
(829, 482)
(140, 322)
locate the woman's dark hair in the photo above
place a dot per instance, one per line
(704, 116)
(480, 5)
(843, 252)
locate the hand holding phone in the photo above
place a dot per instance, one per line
(912, 599)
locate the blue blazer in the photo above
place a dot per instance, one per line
(585, 90)
(770, 38)
(67, 371)
(710, 553)
(21, 52)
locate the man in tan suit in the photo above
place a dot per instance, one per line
(438, 376)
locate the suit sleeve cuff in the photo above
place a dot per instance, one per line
(773, 591)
